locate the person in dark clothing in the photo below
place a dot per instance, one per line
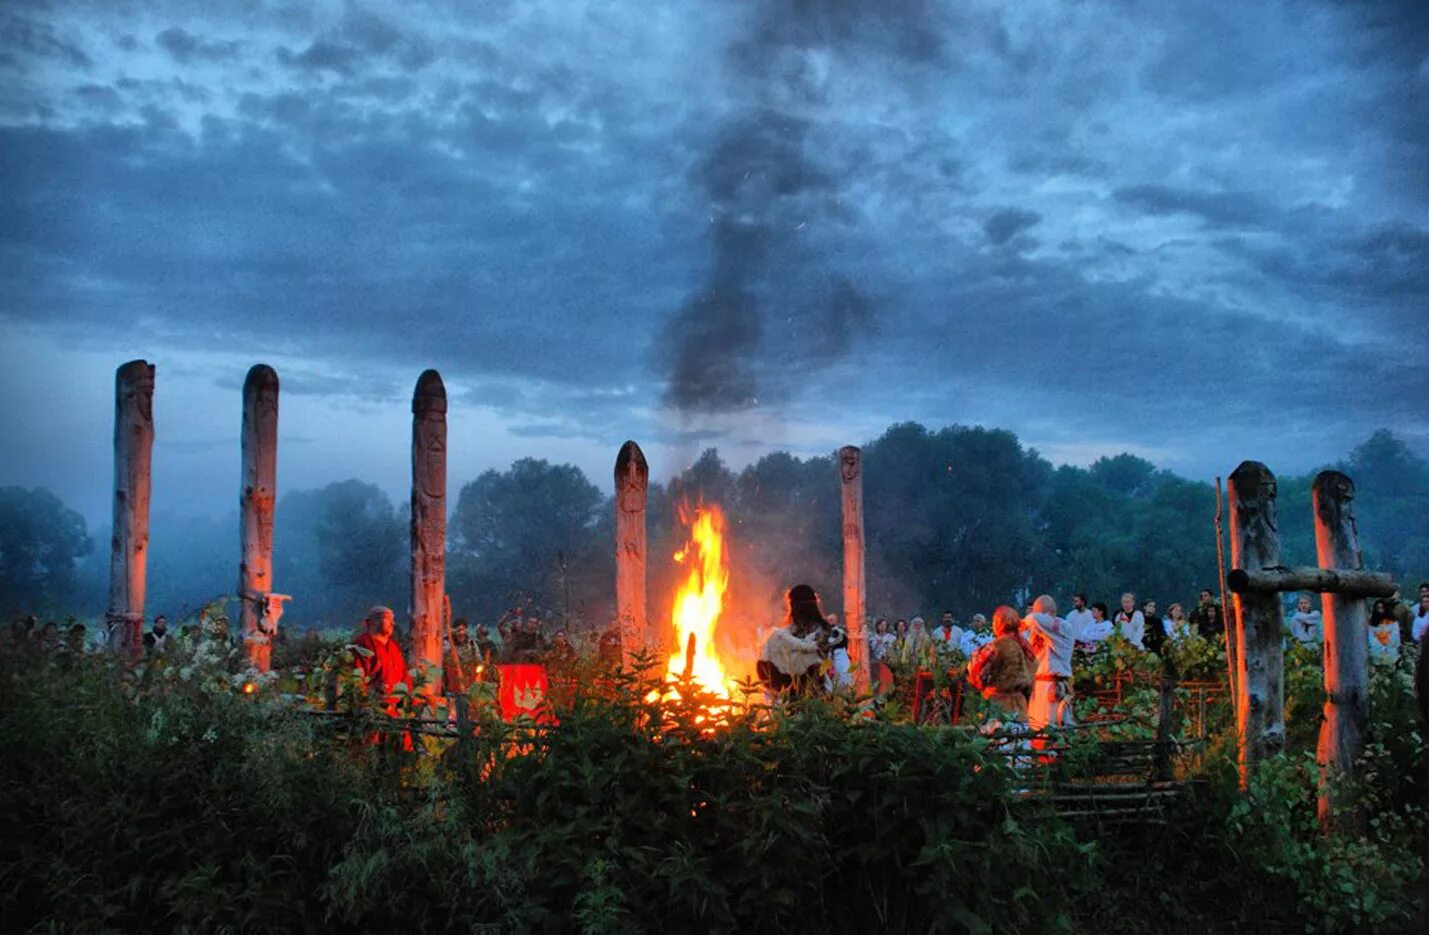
(1153, 637)
(1207, 619)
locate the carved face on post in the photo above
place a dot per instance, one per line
(431, 436)
(138, 391)
(632, 478)
(848, 463)
(429, 405)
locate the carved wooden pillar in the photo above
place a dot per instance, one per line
(1260, 620)
(257, 490)
(851, 482)
(1342, 732)
(429, 522)
(129, 546)
(632, 484)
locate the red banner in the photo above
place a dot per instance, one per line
(523, 693)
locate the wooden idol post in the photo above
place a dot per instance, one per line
(429, 524)
(851, 482)
(1342, 732)
(632, 484)
(1260, 620)
(258, 608)
(129, 545)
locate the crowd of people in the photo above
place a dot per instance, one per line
(1021, 661)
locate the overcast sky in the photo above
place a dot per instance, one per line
(1193, 231)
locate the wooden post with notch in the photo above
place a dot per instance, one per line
(1342, 732)
(129, 544)
(1259, 618)
(632, 485)
(258, 609)
(851, 483)
(429, 524)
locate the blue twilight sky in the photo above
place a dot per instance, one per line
(1195, 231)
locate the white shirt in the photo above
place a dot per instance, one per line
(1079, 620)
(1421, 624)
(973, 640)
(1384, 642)
(1133, 627)
(1095, 631)
(1054, 649)
(879, 644)
(1176, 631)
(948, 638)
(1305, 627)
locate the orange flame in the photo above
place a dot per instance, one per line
(700, 601)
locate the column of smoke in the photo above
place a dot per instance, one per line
(775, 310)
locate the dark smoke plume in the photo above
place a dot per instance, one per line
(771, 309)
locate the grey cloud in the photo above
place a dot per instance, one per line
(362, 36)
(323, 55)
(186, 47)
(19, 34)
(1217, 208)
(1008, 223)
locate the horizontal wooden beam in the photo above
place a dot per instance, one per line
(1349, 582)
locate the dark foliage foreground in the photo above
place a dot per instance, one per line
(166, 800)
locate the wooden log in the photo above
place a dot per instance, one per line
(1260, 619)
(1347, 582)
(632, 484)
(256, 496)
(851, 482)
(1342, 732)
(429, 524)
(129, 545)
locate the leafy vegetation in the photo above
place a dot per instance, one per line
(165, 798)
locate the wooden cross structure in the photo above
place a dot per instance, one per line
(1258, 579)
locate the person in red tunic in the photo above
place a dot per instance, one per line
(382, 665)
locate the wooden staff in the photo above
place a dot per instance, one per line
(1260, 663)
(256, 496)
(632, 484)
(1226, 624)
(1342, 732)
(429, 521)
(129, 547)
(851, 482)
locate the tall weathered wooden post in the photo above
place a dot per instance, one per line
(851, 482)
(632, 484)
(257, 490)
(129, 546)
(1342, 733)
(1260, 620)
(429, 521)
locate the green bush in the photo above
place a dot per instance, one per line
(165, 799)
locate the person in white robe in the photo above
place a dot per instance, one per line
(1052, 640)
(1130, 621)
(1305, 624)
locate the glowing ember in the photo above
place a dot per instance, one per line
(699, 602)
(249, 688)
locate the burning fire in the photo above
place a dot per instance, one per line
(699, 602)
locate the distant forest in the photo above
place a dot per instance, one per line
(958, 518)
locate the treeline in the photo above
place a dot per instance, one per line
(960, 518)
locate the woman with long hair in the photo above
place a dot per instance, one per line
(1004, 669)
(1384, 637)
(792, 654)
